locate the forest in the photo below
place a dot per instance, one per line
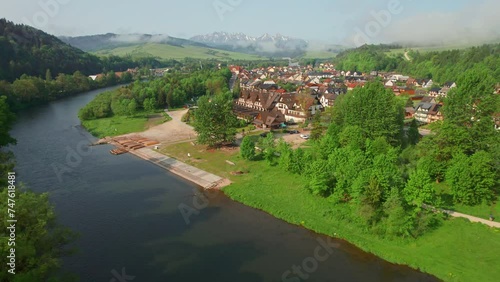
(441, 66)
(173, 90)
(28, 91)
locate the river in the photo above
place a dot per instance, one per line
(127, 213)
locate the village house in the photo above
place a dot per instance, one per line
(422, 112)
(427, 112)
(328, 100)
(434, 92)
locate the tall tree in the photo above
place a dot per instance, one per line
(6, 120)
(317, 130)
(247, 148)
(472, 179)
(471, 106)
(413, 134)
(374, 109)
(215, 121)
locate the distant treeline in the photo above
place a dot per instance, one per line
(32, 90)
(441, 66)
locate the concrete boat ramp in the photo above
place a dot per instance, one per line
(191, 173)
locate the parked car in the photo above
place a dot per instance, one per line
(304, 136)
(293, 131)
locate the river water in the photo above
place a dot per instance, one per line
(131, 229)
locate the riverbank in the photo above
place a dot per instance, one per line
(457, 250)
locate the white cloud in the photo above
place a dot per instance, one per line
(476, 23)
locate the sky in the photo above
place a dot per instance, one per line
(353, 22)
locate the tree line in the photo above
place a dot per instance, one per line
(28, 91)
(173, 90)
(441, 66)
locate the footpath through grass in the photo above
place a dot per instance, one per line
(456, 251)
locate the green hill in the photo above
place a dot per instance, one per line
(165, 51)
(438, 64)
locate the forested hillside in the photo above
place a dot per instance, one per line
(441, 66)
(367, 58)
(449, 65)
(26, 50)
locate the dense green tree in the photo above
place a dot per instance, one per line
(268, 147)
(298, 162)
(40, 240)
(215, 121)
(247, 148)
(472, 179)
(396, 221)
(6, 120)
(149, 105)
(470, 107)
(321, 179)
(286, 154)
(132, 107)
(317, 130)
(352, 136)
(413, 133)
(374, 109)
(419, 189)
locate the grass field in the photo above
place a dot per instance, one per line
(319, 55)
(118, 125)
(456, 251)
(166, 51)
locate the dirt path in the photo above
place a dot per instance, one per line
(170, 132)
(469, 217)
(407, 57)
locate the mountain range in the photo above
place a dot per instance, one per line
(265, 45)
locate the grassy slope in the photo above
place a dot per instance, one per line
(165, 51)
(319, 55)
(456, 251)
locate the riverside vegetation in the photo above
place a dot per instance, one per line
(364, 178)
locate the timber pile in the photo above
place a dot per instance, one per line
(126, 144)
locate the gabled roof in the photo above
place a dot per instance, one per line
(425, 106)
